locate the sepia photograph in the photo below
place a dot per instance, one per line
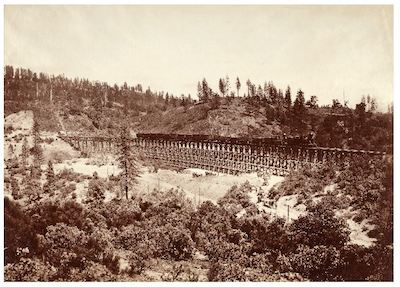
(198, 143)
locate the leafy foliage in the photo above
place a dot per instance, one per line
(19, 232)
(320, 227)
(236, 198)
(62, 240)
(318, 263)
(29, 270)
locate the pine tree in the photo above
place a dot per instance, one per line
(35, 131)
(50, 178)
(312, 103)
(33, 188)
(363, 100)
(199, 91)
(336, 104)
(238, 85)
(167, 99)
(37, 149)
(368, 102)
(24, 152)
(273, 93)
(374, 105)
(97, 99)
(390, 108)
(280, 97)
(206, 91)
(96, 194)
(127, 161)
(299, 103)
(222, 87)
(248, 83)
(288, 98)
(252, 90)
(227, 85)
(259, 93)
(15, 190)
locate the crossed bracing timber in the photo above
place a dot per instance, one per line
(225, 157)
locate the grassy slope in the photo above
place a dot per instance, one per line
(234, 118)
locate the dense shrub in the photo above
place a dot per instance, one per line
(236, 198)
(132, 236)
(318, 263)
(156, 241)
(357, 263)
(305, 182)
(68, 175)
(8, 129)
(29, 270)
(96, 192)
(265, 234)
(158, 224)
(172, 242)
(212, 222)
(48, 213)
(100, 242)
(218, 249)
(119, 213)
(382, 262)
(64, 246)
(55, 239)
(171, 207)
(180, 272)
(93, 271)
(226, 271)
(369, 183)
(19, 232)
(319, 227)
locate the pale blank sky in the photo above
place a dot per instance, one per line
(324, 50)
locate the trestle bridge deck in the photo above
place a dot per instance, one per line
(225, 155)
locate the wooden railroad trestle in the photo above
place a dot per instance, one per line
(223, 157)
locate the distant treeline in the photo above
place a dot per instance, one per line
(23, 84)
(335, 125)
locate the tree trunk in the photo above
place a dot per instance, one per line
(126, 179)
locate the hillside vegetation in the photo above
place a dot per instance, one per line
(86, 107)
(162, 236)
(86, 224)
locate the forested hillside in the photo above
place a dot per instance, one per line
(79, 105)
